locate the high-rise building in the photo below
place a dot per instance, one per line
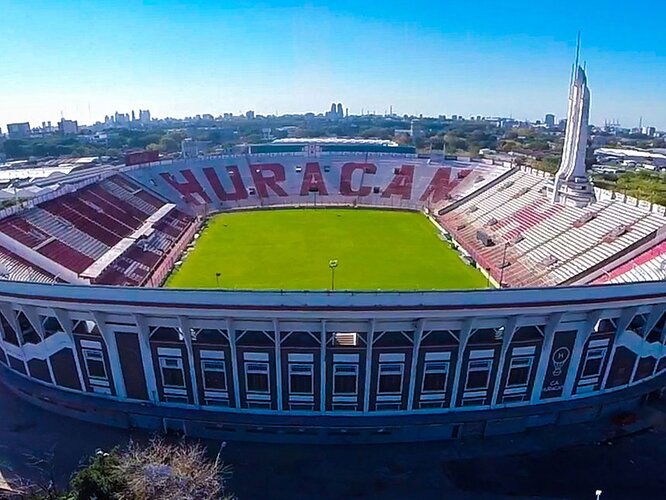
(249, 115)
(550, 120)
(649, 131)
(144, 116)
(68, 127)
(18, 130)
(121, 119)
(571, 185)
(336, 112)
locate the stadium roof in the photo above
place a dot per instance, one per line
(336, 140)
(632, 153)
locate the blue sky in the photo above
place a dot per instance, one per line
(88, 59)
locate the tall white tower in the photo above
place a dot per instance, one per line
(571, 185)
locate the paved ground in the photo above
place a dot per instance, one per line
(553, 464)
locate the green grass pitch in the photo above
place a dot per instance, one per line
(290, 249)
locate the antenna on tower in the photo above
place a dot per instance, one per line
(574, 69)
(578, 50)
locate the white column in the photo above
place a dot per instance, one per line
(544, 359)
(650, 322)
(35, 321)
(463, 337)
(322, 367)
(582, 335)
(507, 337)
(368, 366)
(418, 335)
(234, 360)
(278, 363)
(187, 337)
(147, 358)
(33, 318)
(109, 337)
(9, 314)
(622, 324)
(63, 318)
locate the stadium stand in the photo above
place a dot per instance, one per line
(81, 229)
(13, 267)
(528, 241)
(648, 266)
(116, 230)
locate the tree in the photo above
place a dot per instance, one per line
(158, 471)
(168, 144)
(163, 471)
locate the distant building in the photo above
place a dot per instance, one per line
(18, 130)
(417, 131)
(191, 148)
(336, 112)
(141, 156)
(249, 115)
(121, 119)
(47, 128)
(267, 134)
(68, 127)
(649, 131)
(144, 116)
(550, 121)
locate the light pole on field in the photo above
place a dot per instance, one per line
(506, 245)
(333, 264)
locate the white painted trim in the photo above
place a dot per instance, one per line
(368, 366)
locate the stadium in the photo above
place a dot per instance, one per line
(324, 291)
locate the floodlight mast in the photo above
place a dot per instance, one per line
(333, 264)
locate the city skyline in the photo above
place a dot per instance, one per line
(83, 62)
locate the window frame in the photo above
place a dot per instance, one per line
(603, 351)
(162, 361)
(445, 371)
(290, 372)
(338, 365)
(384, 365)
(222, 370)
(530, 365)
(86, 352)
(470, 369)
(247, 371)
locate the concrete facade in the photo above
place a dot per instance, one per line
(340, 366)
